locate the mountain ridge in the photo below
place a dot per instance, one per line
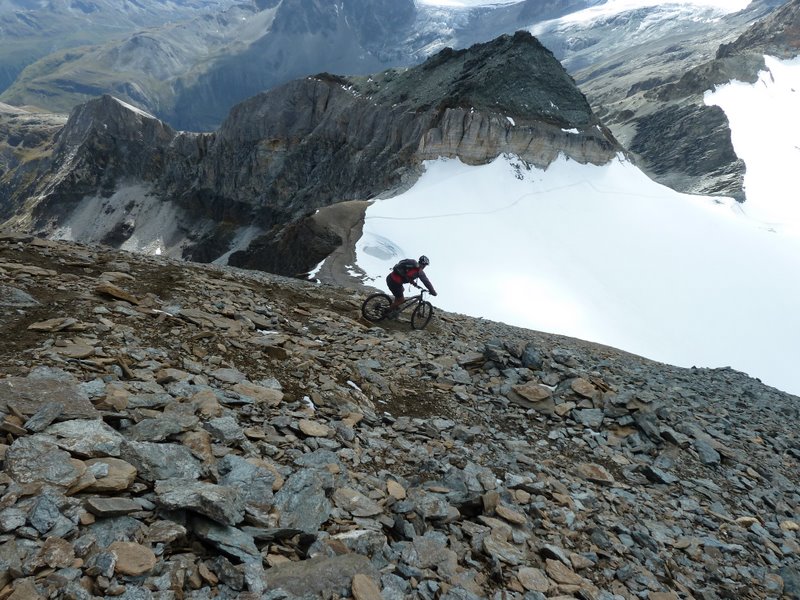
(640, 83)
(291, 39)
(309, 144)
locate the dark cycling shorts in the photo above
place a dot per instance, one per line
(394, 287)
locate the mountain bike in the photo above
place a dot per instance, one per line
(377, 308)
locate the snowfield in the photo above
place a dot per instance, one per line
(606, 254)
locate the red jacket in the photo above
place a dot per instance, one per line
(412, 272)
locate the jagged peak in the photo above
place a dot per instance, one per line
(107, 115)
(512, 74)
(127, 106)
(109, 106)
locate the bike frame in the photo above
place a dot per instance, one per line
(411, 300)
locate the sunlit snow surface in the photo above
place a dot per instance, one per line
(765, 131)
(603, 254)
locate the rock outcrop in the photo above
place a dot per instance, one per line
(688, 147)
(174, 430)
(778, 35)
(105, 141)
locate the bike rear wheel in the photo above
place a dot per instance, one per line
(376, 307)
(422, 315)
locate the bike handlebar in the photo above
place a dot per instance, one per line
(422, 290)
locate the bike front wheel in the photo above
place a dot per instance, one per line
(376, 307)
(422, 315)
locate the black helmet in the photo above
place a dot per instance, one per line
(424, 261)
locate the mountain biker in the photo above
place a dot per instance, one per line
(407, 271)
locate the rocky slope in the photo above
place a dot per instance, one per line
(115, 171)
(175, 430)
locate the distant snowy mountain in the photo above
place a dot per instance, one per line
(645, 70)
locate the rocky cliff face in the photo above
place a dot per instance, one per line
(778, 34)
(508, 95)
(174, 430)
(26, 145)
(105, 141)
(314, 142)
(689, 148)
(325, 138)
(646, 73)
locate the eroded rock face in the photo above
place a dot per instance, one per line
(103, 142)
(690, 147)
(777, 35)
(272, 444)
(327, 139)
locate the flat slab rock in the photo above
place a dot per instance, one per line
(132, 559)
(15, 298)
(317, 576)
(37, 459)
(27, 395)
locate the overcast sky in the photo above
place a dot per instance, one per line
(606, 254)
